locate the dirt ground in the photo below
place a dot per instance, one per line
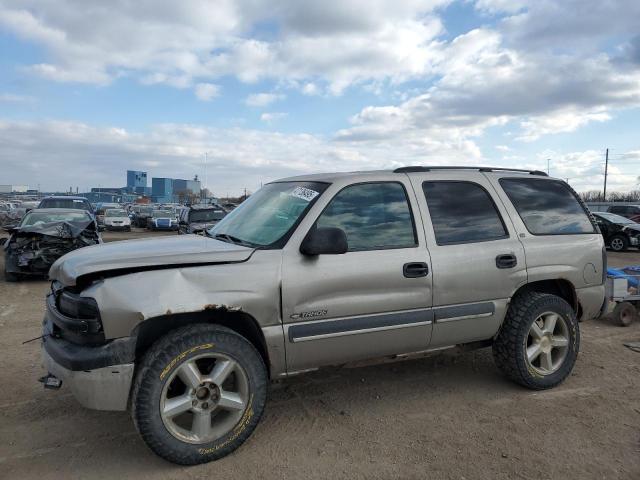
(449, 416)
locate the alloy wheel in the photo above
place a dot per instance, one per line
(547, 343)
(204, 398)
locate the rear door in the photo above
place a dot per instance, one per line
(477, 259)
(364, 303)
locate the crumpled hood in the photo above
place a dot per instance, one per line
(632, 229)
(146, 254)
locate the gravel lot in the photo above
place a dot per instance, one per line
(448, 416)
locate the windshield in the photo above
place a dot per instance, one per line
(116, 213)
(75, 203)
(268, 217)
(196, 216)
(613, 218)
(163, 214)
(36, 218)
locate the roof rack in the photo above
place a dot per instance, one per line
(419, 168)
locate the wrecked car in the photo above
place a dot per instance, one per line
(196, 219)
(619, 232)
(320, 270)
(42, 237)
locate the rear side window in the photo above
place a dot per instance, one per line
(618, 210)
(462, 212)
(547, 207)
(374, 216)
(65, 203)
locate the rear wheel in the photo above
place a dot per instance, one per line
(539, 340)
(619, 243)
(199, 394)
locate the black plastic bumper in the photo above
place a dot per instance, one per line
(76, 357)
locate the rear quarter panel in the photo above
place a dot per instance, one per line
(576, 258)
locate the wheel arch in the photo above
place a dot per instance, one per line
(150, 330)
(560, 287)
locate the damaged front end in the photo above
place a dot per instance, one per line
(32, 250)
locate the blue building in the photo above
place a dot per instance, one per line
(186, 189)
(162, 190)
(137, 182)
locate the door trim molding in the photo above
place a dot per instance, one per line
(461, 312)
(337, 327)
(316, 330)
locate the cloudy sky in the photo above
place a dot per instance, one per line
(274, 88)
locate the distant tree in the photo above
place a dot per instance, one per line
(596, 196)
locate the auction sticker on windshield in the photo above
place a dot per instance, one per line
(305, 194)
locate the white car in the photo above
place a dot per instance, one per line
(117, 219)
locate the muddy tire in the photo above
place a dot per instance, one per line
(199, 393)
(538, 343)
(625, 314)
(618, 243)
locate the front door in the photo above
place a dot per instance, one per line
(477, 259)
(371, 301)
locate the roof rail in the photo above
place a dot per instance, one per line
(419, 168)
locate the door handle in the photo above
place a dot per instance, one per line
(507, 260)
(415, 269)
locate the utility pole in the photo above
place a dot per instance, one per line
(606, 169)
(548, 161)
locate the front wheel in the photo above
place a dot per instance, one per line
(619, 243)
(538, 343)
(199, 394)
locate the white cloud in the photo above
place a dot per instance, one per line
(310, 89)
(207, 91)
(269, 117)
(62, 154)
(13, 98)
(340, 41)
(559, 122)
(262, 99)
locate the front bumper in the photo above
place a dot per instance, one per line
(104, 388)
(118, 227)
(99, 375)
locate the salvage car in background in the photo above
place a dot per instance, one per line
(619, 232)
(196, 219)
(116, 219)
(162, 220)
(101, 209)
(43, 236)
(10, 213)
(141, 213)
(73, 203)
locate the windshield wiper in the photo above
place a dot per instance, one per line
(231, 239)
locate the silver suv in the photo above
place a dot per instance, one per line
(187, 331)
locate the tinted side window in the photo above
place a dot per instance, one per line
(618, 209)
(373, 215)
(547, 207)
(462, 212)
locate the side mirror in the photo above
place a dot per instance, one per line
(324, 241)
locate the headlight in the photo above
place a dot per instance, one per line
(75, 306)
